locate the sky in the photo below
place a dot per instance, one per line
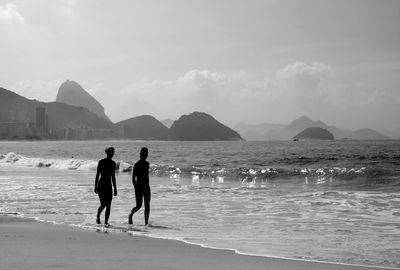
(245, 61)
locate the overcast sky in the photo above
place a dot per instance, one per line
(241, 61)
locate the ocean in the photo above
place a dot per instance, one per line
(334, 201)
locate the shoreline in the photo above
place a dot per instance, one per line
(30, 244)
(280, 257)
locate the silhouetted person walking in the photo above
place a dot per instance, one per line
(140, 180)
(104, 186)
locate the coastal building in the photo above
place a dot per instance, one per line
(42, 122)
(15, 130)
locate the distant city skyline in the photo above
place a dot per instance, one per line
(240, 61)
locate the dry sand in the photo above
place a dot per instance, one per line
(26, 244)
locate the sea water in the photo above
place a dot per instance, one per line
(335, 201)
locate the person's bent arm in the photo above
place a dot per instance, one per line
(114, 183)
(133, 176)
(96, 181)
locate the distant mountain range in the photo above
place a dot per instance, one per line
(268, 131)
(78, 115)
(77, 112)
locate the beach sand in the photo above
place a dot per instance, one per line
(27, 244)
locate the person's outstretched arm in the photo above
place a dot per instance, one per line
(133, 176)
(114, 183)
(96, 181)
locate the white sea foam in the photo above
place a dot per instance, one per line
(62, 164)
(312, 175)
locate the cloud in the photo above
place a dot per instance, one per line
(202, 77)
(296, 89)
(303, 75)
(9, 12)
(305, 85)
(229, 97)
(312, 90)
(37, 89)
(193, 90)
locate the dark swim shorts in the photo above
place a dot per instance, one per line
(105, 193)
(105, 196)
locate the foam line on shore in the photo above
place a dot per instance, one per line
(141, 234)
(137, 234)
(278, 257)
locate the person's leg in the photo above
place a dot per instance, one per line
(147, 196)
(108, 211)
(101, 208)
(146, 212)
(139, 201)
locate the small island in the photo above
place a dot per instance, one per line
(144, 127)
(314, 133)
(199, 126)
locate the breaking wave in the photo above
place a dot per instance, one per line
(244, 174)
(68, 164)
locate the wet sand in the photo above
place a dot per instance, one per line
(27, 244)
